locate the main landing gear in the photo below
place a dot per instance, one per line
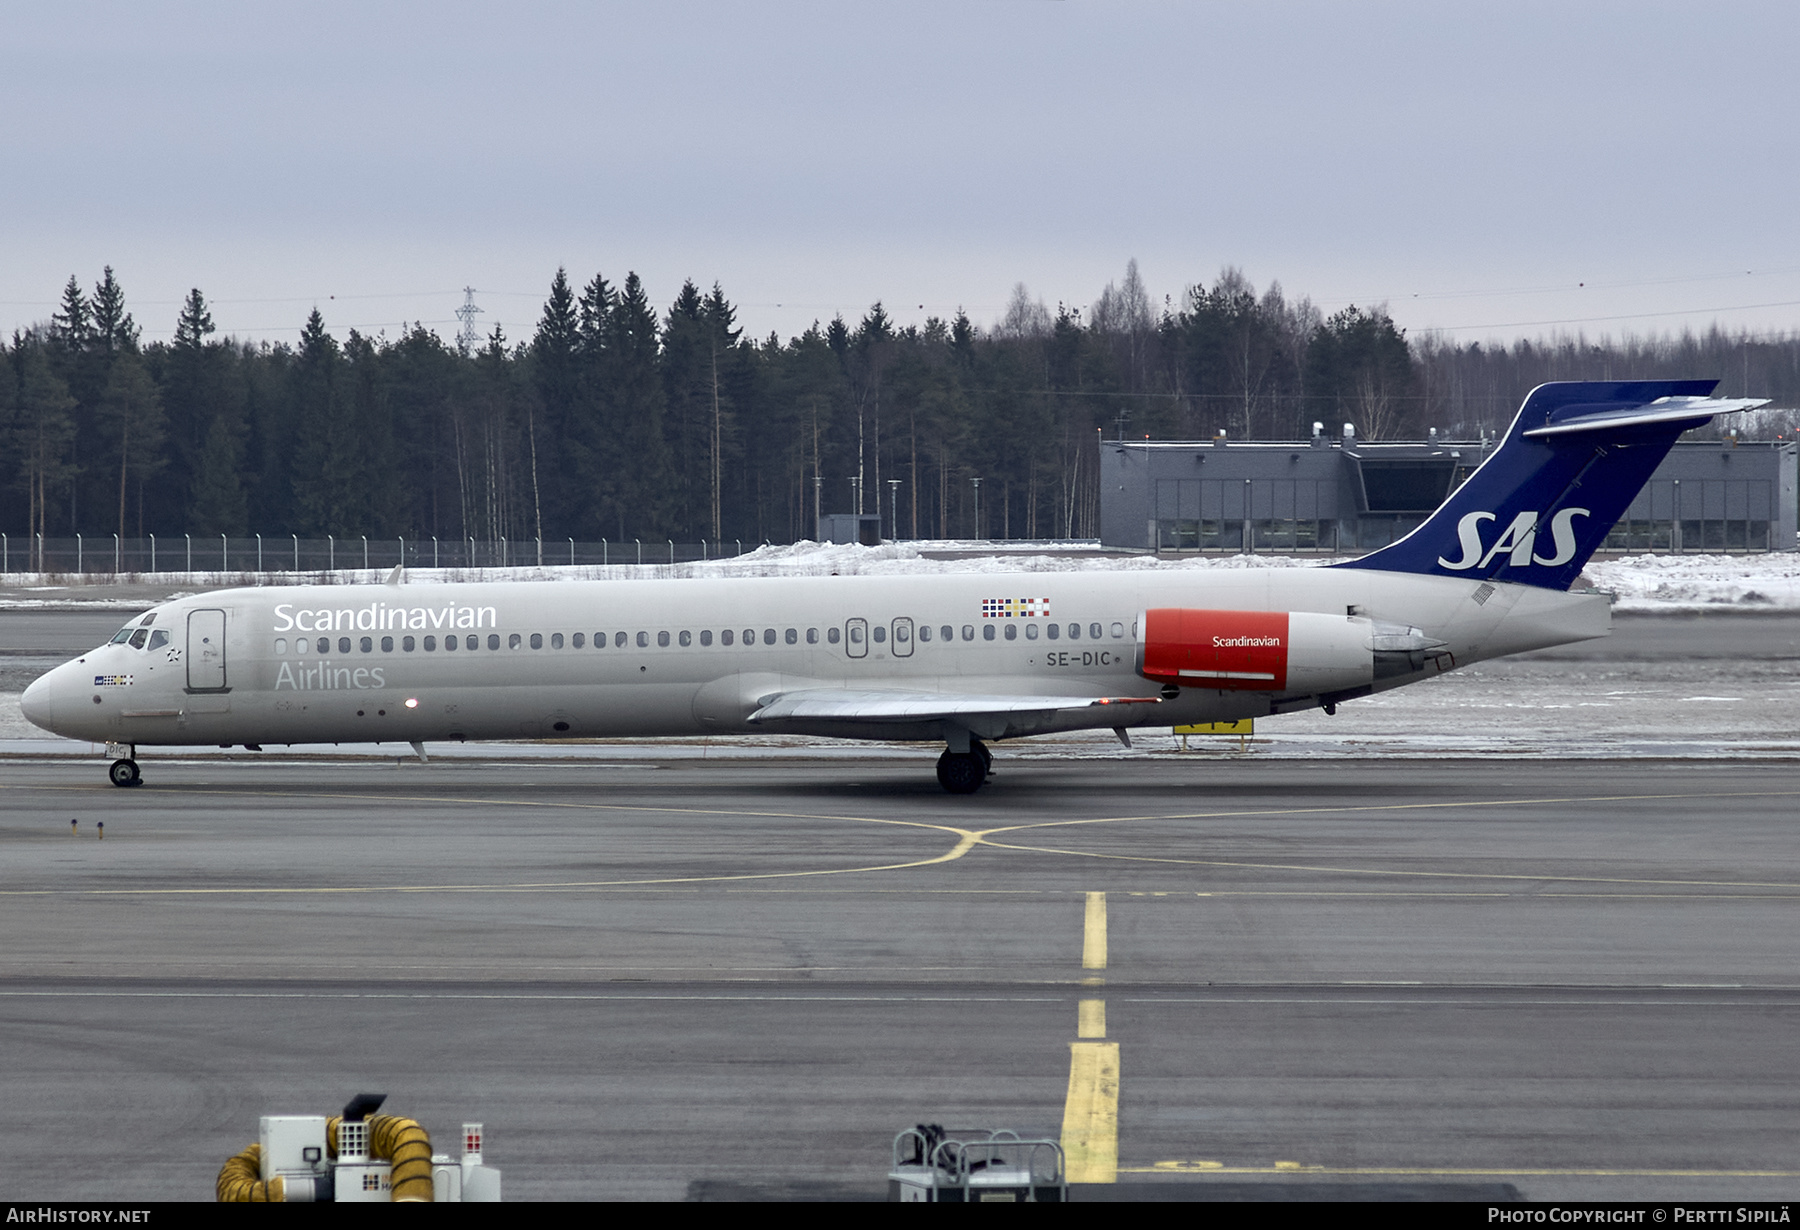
(963, 772)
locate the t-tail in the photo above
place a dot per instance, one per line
(1569, 466)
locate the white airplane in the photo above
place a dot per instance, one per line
(961, 659)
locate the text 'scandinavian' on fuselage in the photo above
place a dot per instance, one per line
(965, 660)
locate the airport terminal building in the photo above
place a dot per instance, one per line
(1333, 494)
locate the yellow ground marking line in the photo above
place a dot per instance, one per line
(1090, 1132)
(966, 840)
(1093, 933)
(1262, 813)
(1294, 1168)
(985, 838)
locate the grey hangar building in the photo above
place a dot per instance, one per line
(1339, 494)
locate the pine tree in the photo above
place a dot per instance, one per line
(71, 327)
(556, 379)
(42, 431)
(113, 327)
(131, 420)
(195, 323)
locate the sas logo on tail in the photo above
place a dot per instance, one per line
(1518, 540)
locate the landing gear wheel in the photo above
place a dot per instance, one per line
(124, 773)
(961, 774)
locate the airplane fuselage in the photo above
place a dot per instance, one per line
(407, 663)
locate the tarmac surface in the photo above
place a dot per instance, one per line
(1462, 978)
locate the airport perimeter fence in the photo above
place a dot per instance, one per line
(214, 553)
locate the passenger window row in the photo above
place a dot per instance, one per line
(683, 638)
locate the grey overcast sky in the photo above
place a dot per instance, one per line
(1493, 169)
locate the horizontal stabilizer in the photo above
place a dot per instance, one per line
(1691, 410)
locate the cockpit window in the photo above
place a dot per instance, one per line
(148, 619)
(139, 637)
(159, 638)
(122, 635)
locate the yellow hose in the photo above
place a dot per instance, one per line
(240, 1180)
(408, 1147)
(401, 1142)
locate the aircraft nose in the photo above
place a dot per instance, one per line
(35, 703)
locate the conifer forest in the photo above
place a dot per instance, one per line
(619, 417)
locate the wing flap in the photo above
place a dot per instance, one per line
(846, 704)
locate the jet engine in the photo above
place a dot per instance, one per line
(1277, 651)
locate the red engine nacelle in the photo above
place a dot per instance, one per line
(1238, 650)
(1255, 651)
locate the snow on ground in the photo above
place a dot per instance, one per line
(1643, 584)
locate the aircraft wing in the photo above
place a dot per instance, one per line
(847, 704)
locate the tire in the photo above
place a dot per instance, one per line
(124, 773)
(960, 774)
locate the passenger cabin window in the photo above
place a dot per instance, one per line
(407, 643)
(831, 634)
(1052, 631)
(556, 640)
(493, 641)
(281, 644)
(430, 644)
(449, 643)
(1012, 632)
(643, 640)
(987, 632)
(618, 640)
(791, 636)
(969, 633)
(1074, 632)
(856, 635)
(880, 635)
(662, 640)
(1094, 631)
(578, 640)
(366, 644)
(387, 644)
(1118, 630)
(726, 637)
(343, 644)
(924, 632)
(706, 636)
(685, 639)
(812, 636)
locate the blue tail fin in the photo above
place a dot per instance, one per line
(1566, 471)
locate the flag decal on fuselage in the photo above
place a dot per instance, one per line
(1015, 608)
